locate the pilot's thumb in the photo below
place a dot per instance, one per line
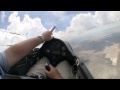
(46, 72)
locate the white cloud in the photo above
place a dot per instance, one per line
(30, 27)
(79, 24)
(104, 17)
(27, 28)
(84, 22)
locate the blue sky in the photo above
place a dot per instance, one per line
(73, 27)
(70, 24)
(61, 19)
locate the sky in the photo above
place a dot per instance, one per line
(70, 24)
(93, 34)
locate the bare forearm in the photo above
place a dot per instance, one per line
(19, 50)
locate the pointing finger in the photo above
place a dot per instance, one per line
(52, 29)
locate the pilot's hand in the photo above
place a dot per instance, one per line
(47, 35)
(53, 73)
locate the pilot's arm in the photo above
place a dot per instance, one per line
(19, 50)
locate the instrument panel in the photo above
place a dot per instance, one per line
(56, 51)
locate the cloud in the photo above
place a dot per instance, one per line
(2, 15)
(80, 23)
(103, 17)
(28, 27)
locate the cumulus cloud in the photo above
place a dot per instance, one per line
(84, 22)
(28, 27)
(104, 17)
(20, 30)
(79, 24)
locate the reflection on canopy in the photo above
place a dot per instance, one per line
(100, 50)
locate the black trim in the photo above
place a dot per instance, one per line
(61, 5)
(84, 72)
(8, 76)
